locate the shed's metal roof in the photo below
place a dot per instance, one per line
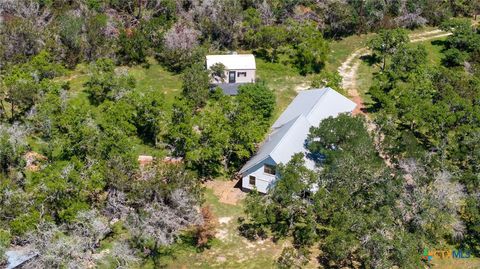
(291, 129)
(233, 61)
(228, 88)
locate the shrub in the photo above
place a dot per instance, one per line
(206, 231)
(293, 258)
(4, 243)
(454, 57)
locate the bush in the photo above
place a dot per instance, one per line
(327, 79)
(105, 84)
(195, 86)
(24, 223)
(251, 231)
(133, 46)
(293, 258)
(4, 244)
(454, 57)
(206, 232)
(310, 56)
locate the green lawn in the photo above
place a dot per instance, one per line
(155, 76)
(147, 76)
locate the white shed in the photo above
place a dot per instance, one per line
(239, 68)
(289, 133)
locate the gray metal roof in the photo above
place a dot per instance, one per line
(291, 129)
(316, 105)
(270, 144)
(228, 88)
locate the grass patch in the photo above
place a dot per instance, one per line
(156, 77)
(229, 249)
(470, 263)
(149, 76)
(366, 72)
(283, 79)
(341, 49)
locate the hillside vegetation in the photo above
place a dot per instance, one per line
(88, 86)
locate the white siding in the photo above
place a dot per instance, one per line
(250, 78)
(263, 180)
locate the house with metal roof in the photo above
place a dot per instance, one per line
(239, 69)
(288, 135)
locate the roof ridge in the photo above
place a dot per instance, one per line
(283, 137)
(319, 101)
(309, 94)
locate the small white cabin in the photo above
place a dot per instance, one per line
(289, 133)
(239, 69)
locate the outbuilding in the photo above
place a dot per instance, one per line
(239, 69)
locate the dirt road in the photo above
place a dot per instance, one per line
(349, 68)
(349, 72)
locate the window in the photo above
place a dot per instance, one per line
(242, 74)
(251, 180)
(269, 169)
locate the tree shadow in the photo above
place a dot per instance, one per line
(373, 105)
(370, 59)
(264, 55)
(439, 42)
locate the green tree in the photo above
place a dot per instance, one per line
(454, 57)
(22, 85)
(181, 135)
(258, 97)
(97, 43)
(311, 52)
(272, 38)
(217, 72)
(408, 60)
(71, 36)
(196, 85)
(250, 121)
(387, 42)
(132, 46)
(104, 83)
(209, 156)
(464, 36)
(150, 115)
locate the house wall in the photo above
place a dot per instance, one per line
(250, 78)
(263, 180)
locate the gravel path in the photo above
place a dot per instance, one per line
(349, 72)
(349, 68)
